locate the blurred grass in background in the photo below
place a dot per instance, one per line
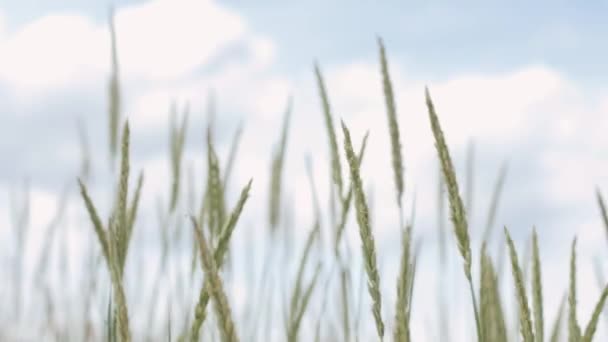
(300, 290)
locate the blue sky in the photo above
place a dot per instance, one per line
(524, 81)
(439, 39)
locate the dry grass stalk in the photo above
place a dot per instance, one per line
(574, 330)
(277, 171)
(402, 328)
(490, 306)
(537, 290)
(367, 238)
(603, 210)
(114, 92)
(215, 192)
(393, 126)
(177, 138)
(115, 241)
(522, 299)
(347, 200)
(458, 214)
(233, 151)
(214, 286)
(200, 312)
(295, 322)
(344, 291)
(296, 296)
(121, 228)
(336, 168)
(470, 177)
(498, 186)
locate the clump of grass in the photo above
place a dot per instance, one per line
(115, 240)
(367, 238)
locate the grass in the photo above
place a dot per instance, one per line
(313, 283)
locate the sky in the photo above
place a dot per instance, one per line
(524, 82)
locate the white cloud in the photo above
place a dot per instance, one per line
(499, 110)
(52, 51)
(166, 38)
(498, 106)
(260, 95)
(156, 40)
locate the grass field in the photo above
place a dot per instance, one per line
(178, 274)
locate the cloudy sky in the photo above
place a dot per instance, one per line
(526, 83)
